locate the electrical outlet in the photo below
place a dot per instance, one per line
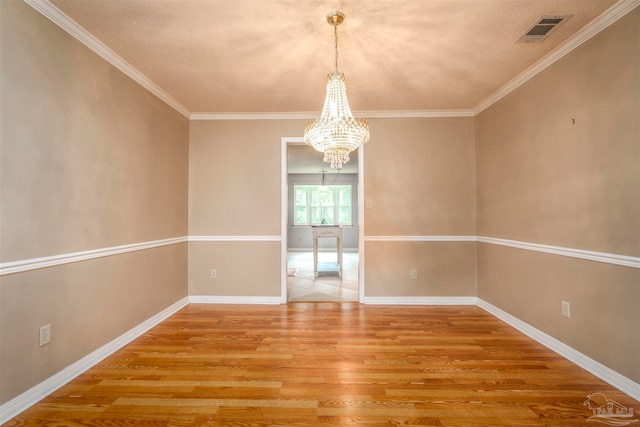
(566, 309)
(413, 273)
(214, 274)
(45, 335)
(369, 204)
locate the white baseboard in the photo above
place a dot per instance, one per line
(51, 384)
(206, 299)
(420, 300)
(621, 382)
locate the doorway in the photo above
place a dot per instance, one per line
(303, 181)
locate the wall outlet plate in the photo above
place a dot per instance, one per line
(566, 309)
(45, 335)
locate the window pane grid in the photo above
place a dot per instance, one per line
(315, 205)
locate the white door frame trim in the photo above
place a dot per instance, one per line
(284, 212)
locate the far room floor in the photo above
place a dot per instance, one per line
(302, 285)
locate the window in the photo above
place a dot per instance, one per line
(315, 204)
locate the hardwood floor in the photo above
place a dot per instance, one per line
(327, 364)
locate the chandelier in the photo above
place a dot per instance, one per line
(336, 133)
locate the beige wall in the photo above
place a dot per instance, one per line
(235, 190)
(543, 179)
(235, 176)
(420, 179)
(445, 269)
(90, 160)
(243, 269)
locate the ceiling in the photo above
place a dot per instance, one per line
(272, 56)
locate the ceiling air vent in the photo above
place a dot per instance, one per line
(541, 29)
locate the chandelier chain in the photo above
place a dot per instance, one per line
(335, 33)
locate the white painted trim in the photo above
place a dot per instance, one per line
(302, 115)
(21, 266)
(420, 300)
(284, 211)
(361, 216)
(284, 215)
(420, 238)
(621, 382)
(50, 261)
(403, 114)
(614, 13)
(215, 299)
(352, 250)
(83, 36)
(51, 384)
(608, 258)
(235, 238)
(306, 115)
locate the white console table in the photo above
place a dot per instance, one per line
(334, 231)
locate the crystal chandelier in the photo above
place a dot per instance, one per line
(336, 133)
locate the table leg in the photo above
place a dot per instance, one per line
(315, 255)
(340, 254)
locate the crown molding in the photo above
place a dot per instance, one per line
(386, 114)
(614, 13)
(303, 115)
(306, 115)
(617, 11)
(83, 36)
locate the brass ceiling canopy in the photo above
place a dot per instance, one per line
(335, 17)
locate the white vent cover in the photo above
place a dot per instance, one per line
(543, 27)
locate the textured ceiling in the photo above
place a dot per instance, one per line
(273, 56)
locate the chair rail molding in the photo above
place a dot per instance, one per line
(21, 266)
(609, 258)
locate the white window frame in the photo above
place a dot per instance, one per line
(336, 204)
